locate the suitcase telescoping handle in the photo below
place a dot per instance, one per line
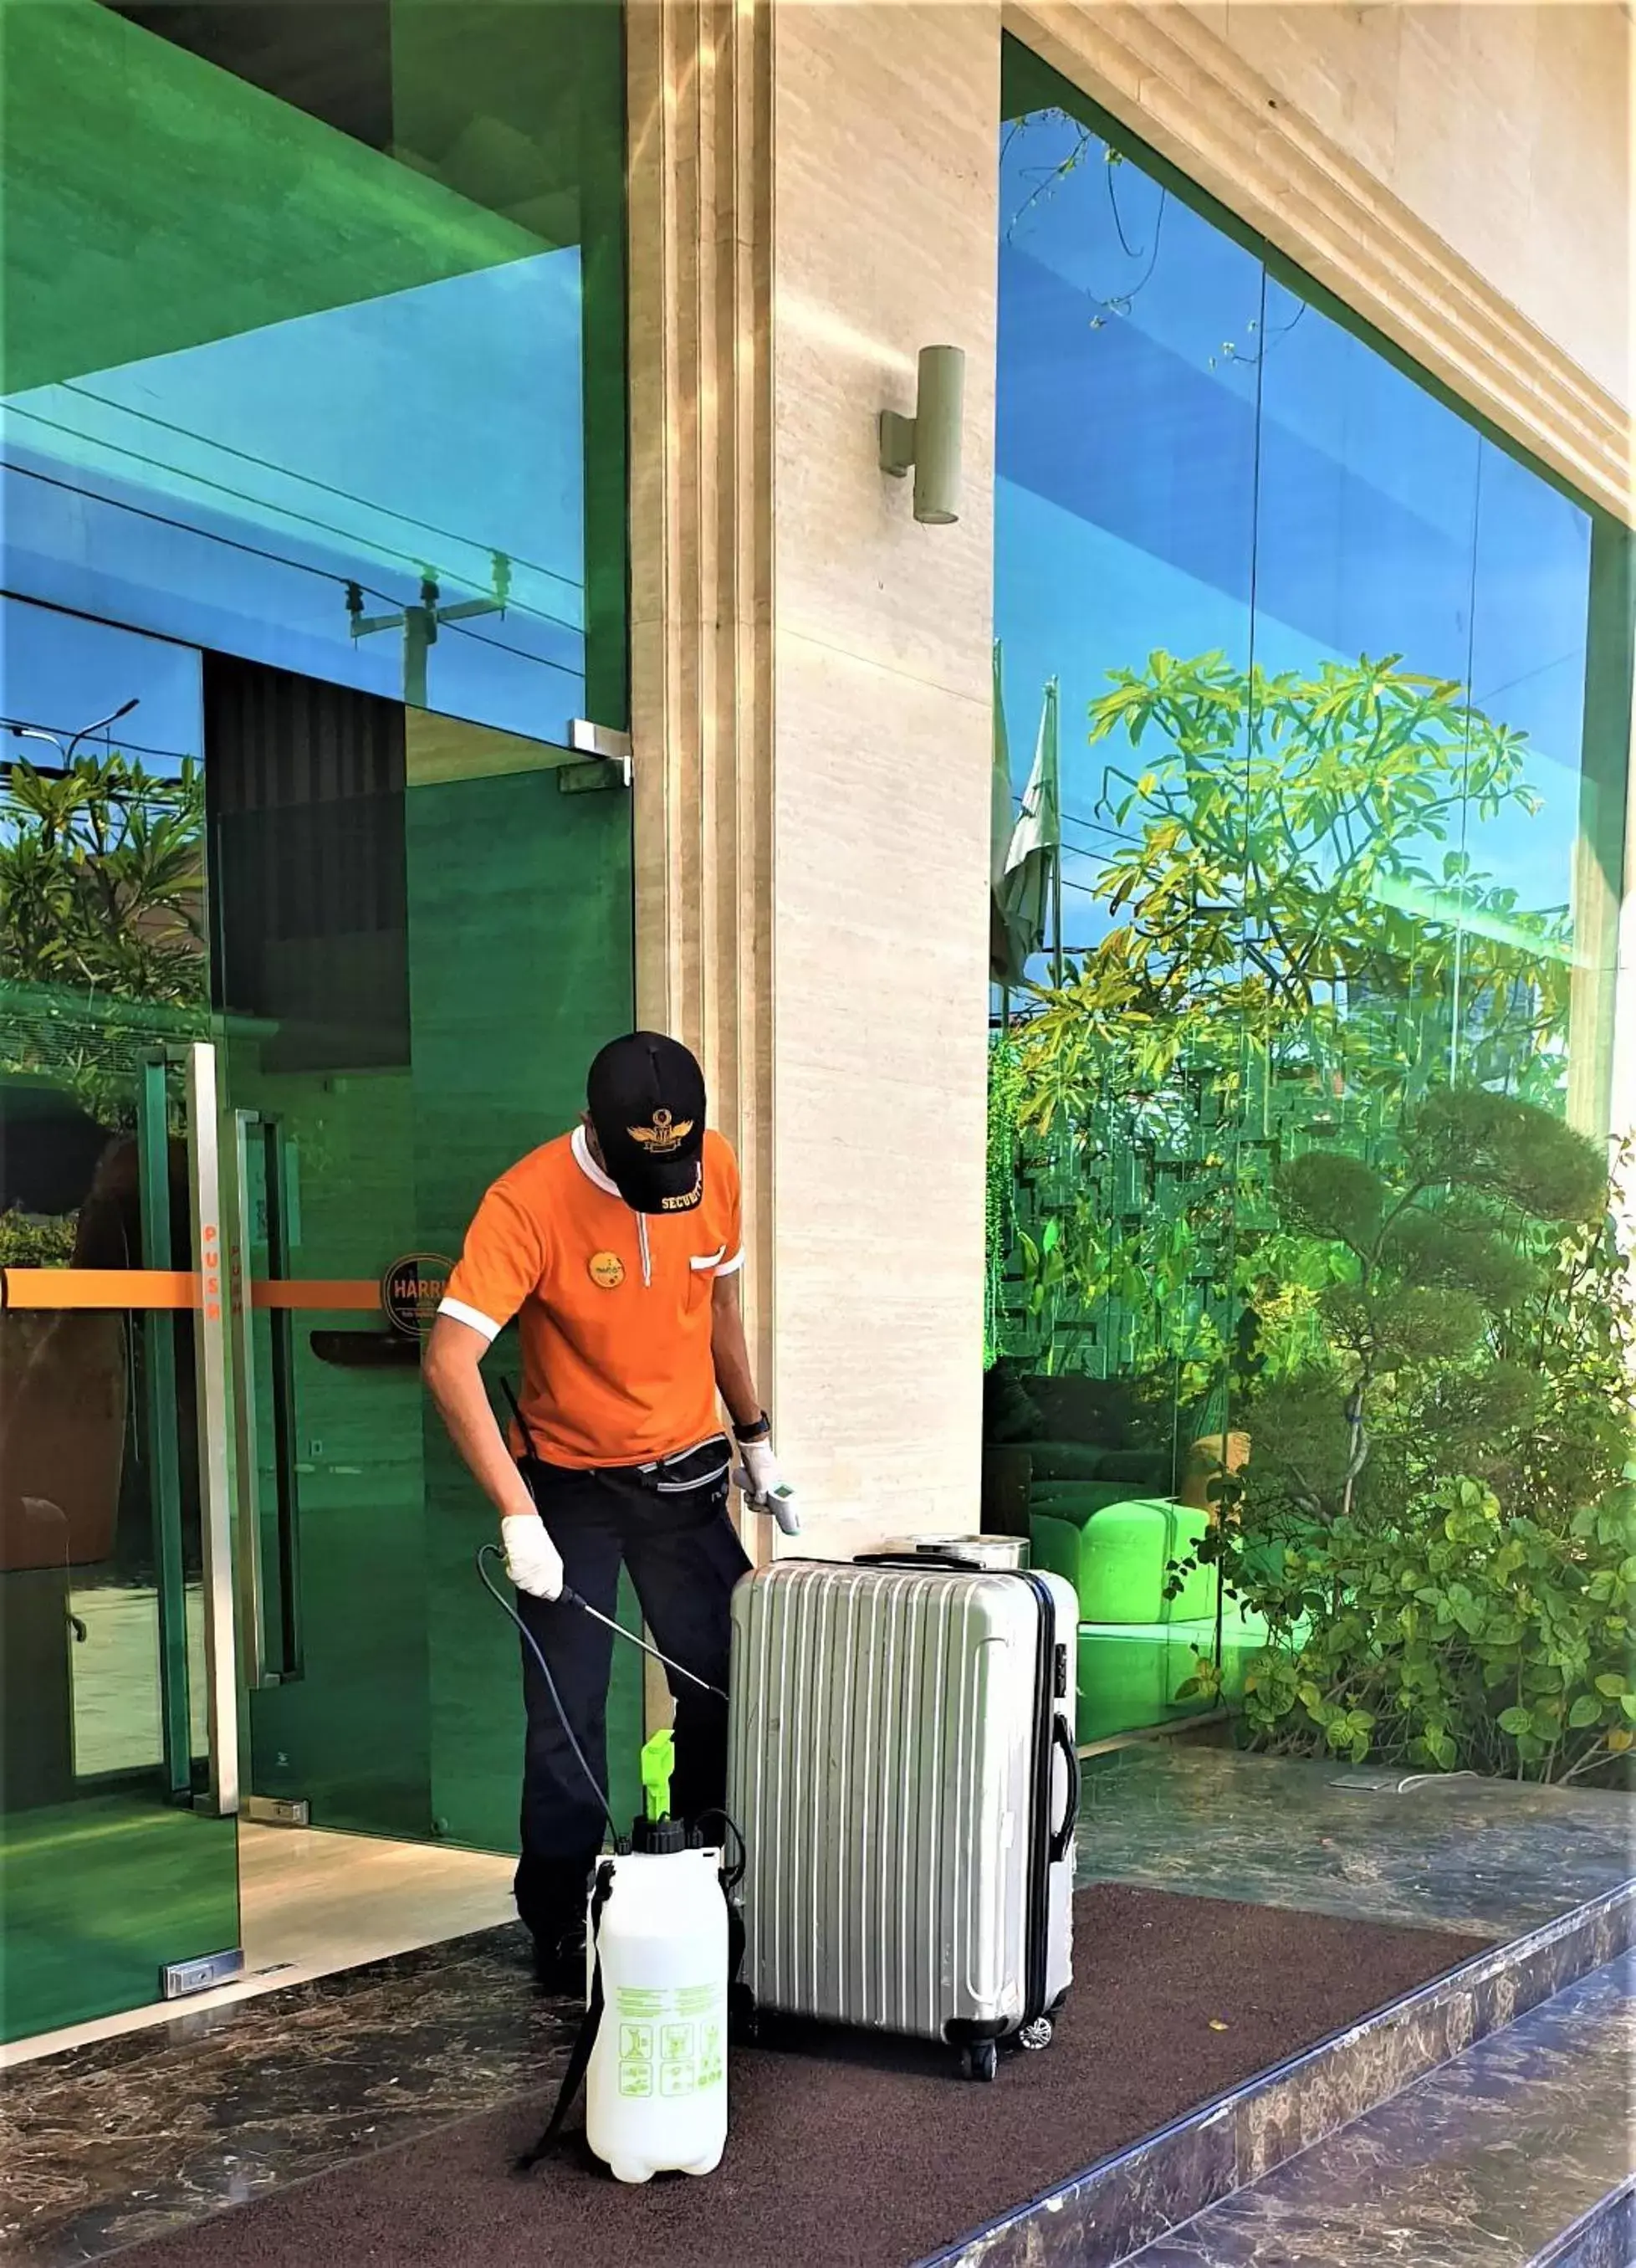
(944, 1562)
(1064, 1740)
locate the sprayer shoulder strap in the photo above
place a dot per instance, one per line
(510, 1391)
(591, 2024)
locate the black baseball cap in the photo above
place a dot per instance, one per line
(646, 1098)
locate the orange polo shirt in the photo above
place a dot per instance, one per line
(614, 1306)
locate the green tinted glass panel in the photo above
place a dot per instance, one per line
(108, 1872)
(312, 342)
(296, 355)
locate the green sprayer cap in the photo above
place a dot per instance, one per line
(658, 1762)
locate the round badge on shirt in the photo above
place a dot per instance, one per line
(607, 1270)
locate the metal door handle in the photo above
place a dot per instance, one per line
(204, 1180)
(252, 1583)
(265, 1663)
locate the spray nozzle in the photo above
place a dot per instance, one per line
(658, 1762)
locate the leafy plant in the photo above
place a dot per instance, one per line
(1295, 1118)
(101, 901)
(1435, 1519)
(1435, 1253)
(27, 1242)
(102, 879)
(1454, 1637)
(1282, 874)
(1000, 1223)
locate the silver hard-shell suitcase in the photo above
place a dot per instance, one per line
(901, 1763)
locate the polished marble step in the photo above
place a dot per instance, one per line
(1484, 2162)
(1140, 2197)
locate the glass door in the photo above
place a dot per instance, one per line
(119, 1755)
(421, 935)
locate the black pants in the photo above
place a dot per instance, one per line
(683, 1560)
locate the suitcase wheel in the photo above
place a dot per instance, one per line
(1037, 2035)
(980, 2060)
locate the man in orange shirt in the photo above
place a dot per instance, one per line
(618, 1248)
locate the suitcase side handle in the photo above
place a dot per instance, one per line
(1063, 1739)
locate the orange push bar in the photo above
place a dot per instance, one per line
(104, 1288)
(97, 1287)
(314, 1292)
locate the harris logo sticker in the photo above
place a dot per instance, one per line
(411, 1289)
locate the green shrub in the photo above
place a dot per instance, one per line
(1439, 1499)
(1455, 1639)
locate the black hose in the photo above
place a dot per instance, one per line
(734, 1875)
(492, 1552)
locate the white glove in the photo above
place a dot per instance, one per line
(532, 1560)
(764, 1486)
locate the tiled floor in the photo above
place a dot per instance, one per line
(311, 1904)
(122, 2139)
(351, 2062)
(1490, 1856)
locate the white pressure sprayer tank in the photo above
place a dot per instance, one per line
(655, 2098)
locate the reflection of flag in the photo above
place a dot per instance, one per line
(999, 831)
(1025, 886)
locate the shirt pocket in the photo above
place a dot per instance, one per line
(701, 1267)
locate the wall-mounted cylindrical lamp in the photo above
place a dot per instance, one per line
(930, 440)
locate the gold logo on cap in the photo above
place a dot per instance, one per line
(664, 1134)
(607, 1271)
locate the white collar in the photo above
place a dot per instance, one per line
(589, 1166)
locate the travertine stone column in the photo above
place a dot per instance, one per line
(701, 677)
(885, 193)
(810, 696)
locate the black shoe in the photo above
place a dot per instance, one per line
(560, 1965)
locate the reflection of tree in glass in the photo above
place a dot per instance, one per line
(1298, 949)
(1047, 179)
(1291, 875)
(101, 901)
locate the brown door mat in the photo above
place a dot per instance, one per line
(844, 2148)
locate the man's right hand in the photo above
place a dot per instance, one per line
(532, 1560)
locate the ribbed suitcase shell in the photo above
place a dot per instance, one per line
(884, 1766)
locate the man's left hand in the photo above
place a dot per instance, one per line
(764, 1485)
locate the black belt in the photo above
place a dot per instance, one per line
(680, 1473)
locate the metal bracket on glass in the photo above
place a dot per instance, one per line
(278, 1810)
(608, 753)
(177, 1980)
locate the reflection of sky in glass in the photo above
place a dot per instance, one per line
(1188, 457)
(61, 672)
(225, 494)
